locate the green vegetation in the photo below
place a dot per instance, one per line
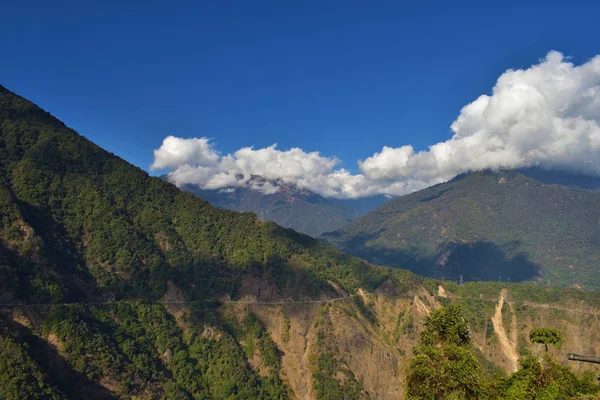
(445, 366)
(444, 327)
(291, 207)
(332, 379)
(546, 336)
(79, 224)
(487, 226)
(547, 379)
(404, 325)
(82, 227)
(488, 291)
(20, 376)
(365, 310)
(254, 333)
(138, 349)
(326, 368)
(77, 220)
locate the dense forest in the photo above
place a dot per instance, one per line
(78, 224)
(487, 225)
(79, 221)
(115, 284)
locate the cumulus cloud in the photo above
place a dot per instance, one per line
(176, 152)
(547, 115)
(196, 161)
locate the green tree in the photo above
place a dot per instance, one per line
(444, 366)
(446, 326)
(547, 379)
(546, 336)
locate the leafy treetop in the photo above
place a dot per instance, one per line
(546, 336)
(446, 326)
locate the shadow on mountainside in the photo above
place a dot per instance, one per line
(72, 383)
(54, 254)
(480, 261)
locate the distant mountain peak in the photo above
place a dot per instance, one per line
(488, 225)
(290, 205)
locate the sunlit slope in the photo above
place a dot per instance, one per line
(80, 222)
(114, 284)
(485, 226)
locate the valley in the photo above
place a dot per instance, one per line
(116, 284)
(291, 207)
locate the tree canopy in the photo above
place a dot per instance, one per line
(546, 336)
(443, 365)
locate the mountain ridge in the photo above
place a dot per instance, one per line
(300, 209)
(542, 230)
(136, 277)
(290, 206)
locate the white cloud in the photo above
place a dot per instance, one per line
(203, 165)
(547, 115)
(176, 152)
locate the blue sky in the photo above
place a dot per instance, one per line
(344, 78)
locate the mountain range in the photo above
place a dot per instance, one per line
(521, 225)
(115, 284)
(292, 207)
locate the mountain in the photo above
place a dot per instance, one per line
(364, 204)
(506, 225)
(81, 227)
(292, 207)
(117, 285)
(569, 179)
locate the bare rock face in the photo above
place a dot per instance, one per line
(373, 339)
(211, 333)
(167, 355)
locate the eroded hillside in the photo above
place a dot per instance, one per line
(371, 336)
(333, 346)
(114, 284)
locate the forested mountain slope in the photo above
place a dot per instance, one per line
(486, 225)
(81, 225)
(114, 284)
(83, 222)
